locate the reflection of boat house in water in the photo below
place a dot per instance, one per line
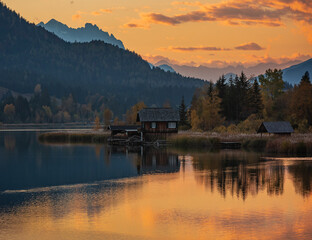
(147, 160)
(158, 123)
(277, 128)
(159, 162)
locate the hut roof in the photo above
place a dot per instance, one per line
(158, 115)
(275, 127)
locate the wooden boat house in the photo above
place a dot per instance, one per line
(158, 123)
(126, 130)
(277, 128)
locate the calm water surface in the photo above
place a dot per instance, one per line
(98, 192)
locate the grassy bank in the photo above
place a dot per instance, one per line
(297, 144)
(72, 137)
(199, 142)
(190, 140)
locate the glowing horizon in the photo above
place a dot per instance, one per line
(213, 33)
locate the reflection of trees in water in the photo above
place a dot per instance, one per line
(17, 141)
(97, 149)
(238, 173)
(301, 173)
(9, 142)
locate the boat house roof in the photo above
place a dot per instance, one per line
(276, 127)
(158, 115)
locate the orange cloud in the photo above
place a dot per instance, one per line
(187, 3)
(134, 25)
(96, 13)
(106, 10)
(191, 49)
(246, 46)
(195, 16)
(242, 12)
(307, 31)
(249, 46)
(76, 17)
(101, 11)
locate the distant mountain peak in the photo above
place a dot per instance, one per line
(53, 21)
(87, 33)
(162, 62)
(166, 68)
(293, 74)
(91, 26)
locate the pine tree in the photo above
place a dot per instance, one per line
(246, 107)
(210, 89)
(231, 100)
(237, 92)
(305, 78)
(301, 101)
(221, 88)
(182, 112)
(242, 88)
(256, 99)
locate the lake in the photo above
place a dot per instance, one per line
(72, 191)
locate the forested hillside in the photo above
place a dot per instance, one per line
(30, 55)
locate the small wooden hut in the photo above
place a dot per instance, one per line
(158, 123)
(277, 128)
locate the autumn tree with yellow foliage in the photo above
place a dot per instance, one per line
(108, 115)
(206, 108)
(301, 102)
(97, 124)
(131, 114)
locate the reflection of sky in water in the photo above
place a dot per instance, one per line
(104, 193)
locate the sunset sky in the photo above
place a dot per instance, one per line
(211, 33)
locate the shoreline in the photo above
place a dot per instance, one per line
(298, 144)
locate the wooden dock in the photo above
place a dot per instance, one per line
(135, 141)
(131, 141)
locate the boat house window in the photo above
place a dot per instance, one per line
(172, 125)
(153, 125)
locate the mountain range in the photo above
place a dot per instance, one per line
(293, 70)
(31, 55)
(84, 34)
(294, 73)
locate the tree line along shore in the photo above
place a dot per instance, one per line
(235, 105)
